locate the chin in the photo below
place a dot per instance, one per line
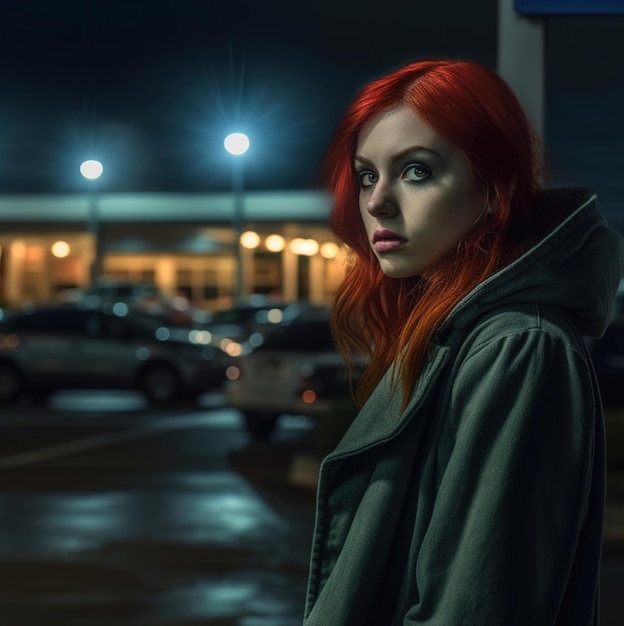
(395, 272)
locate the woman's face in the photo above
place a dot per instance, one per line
(417, 194)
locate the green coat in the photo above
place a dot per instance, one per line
(482, 502)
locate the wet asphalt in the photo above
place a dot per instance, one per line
(115, 514)
(135, 519)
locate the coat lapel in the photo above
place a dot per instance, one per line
(381, 417)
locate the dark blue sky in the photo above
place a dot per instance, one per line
(151, 88)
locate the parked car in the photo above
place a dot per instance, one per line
(243, 327)
(92, 345)
(177, 310)
(296, 371)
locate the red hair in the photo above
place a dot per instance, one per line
(393, 321)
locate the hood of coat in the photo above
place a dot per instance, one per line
(576, 267)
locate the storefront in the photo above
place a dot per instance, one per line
(184, 244)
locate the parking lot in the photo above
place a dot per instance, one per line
(118, 515)
(114, 512)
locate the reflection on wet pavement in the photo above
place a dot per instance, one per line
(195, 508)
(105, 401)
(107, 540)
(203, 550)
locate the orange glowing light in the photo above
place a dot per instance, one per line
(309, 396)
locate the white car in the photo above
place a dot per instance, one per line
(296, 371)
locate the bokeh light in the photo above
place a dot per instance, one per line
(275, 243)
(236, 143)
(250, 239)
(304, 247)
(329, 250)
(60, 249)
(91, 169)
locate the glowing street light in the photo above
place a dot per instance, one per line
(237, 144)
(91, 170)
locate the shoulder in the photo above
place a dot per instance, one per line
(532, 341)
(523, 322)
(520, 364)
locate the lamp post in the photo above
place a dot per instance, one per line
(237, 144)
(92, 170)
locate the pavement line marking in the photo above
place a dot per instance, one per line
(48, 453)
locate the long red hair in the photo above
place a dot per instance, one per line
(392, 321)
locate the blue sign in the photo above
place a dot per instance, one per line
(570, 7)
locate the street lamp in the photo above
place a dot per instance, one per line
(237, 144)
(92, 170)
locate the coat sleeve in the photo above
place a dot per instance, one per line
(512, 482)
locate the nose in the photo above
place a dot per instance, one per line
(382, 200)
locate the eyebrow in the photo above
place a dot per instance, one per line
(399, 155)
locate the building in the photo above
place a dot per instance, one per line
(185, 244)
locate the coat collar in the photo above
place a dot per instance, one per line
(381, 418)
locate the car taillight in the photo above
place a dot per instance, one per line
(307, 391)
(308, 396)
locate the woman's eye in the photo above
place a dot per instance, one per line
(416, 172)
(367, 178)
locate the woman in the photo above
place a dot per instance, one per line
(469, 489)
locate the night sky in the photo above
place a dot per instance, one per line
(151, 88)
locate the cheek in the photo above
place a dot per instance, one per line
(365, 218)
(365, 227)
(451, 222)
(463, 210)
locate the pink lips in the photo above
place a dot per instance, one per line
(385, 240)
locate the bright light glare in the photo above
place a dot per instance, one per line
(274, 243)
(91, 169)
(275, 316)
(202, 337)
(329, 250)
(60, 249)
(250, 239)
(231, 348)
(236, 143)
(305, 247)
